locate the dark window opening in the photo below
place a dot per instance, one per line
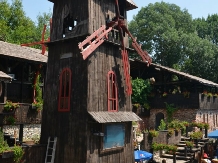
(64, 90)
(112, 92)
(122, 6)
(69, 24)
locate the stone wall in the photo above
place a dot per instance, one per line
(181, 114)
(29, 131)
(162, 138)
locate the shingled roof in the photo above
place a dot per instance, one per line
(21, 52)
(192, 77)
(130, 5)
(4, 77)
(186, 75)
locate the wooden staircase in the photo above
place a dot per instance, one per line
(190, 155)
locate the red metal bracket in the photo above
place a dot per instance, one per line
(93, 41)
(126, 69)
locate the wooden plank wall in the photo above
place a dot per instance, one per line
(78, 9)
(96, 155)
(23, 114)
(69, 127)
(89, 87)
(32, 154)
(107, 57)
(99, 10)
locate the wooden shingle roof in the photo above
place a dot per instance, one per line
(107, 117)
(192, 77)
(134, 63)
(130, 5)
(4, 77)
(21, 52)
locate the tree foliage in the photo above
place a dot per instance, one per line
(141, 89)
(16, 27)
(175, 40)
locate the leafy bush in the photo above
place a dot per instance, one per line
(171, 148)
(18, 153)
(158, 146)
(196, 135)
(153, 133)
(170, 110)
(141, 90)
(10, 106)
(170, 132)
(200, 125)
(176, 124)
(189, 143)
(3, 144)
(162, 125)
(9, 120)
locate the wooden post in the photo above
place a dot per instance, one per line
(15, 136)
(5, 94)
(185, 151)
(21, 133)
(206, 131)
(174, 157)
(186, 131)
(196, 142)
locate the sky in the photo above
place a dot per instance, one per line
(197, 8)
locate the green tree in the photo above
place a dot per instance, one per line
(200, 57)
(207, 28)
(158, 28)
(21, 28)
(5, 14)
(140, 91)
(175, 40)
(17, 28)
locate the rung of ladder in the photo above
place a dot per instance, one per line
(51, 155)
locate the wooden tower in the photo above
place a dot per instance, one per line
(87, 103)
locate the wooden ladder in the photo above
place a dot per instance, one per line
(50, 153)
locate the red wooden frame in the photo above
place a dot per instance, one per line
(64, 90)
(112, 92)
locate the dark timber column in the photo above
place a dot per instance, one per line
(21, 133)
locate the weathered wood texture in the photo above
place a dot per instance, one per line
(32, 154)
(21, 87)
(88, 93)
(208, 102)
(76, 10)
(84, 17)
(69, 127)
(195, 100)
(104, 59)
(23, 115)
(178, 100)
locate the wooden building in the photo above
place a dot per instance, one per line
(18, 67)
(21, 63)
(85, 103)
(195, 99)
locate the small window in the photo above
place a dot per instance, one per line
(64, 90)
(112, 92)
(114, 136)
